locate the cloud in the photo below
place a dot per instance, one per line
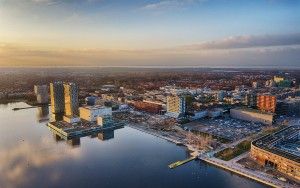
(238, 50)
(169, 4)
(250, 41)
(17, 162)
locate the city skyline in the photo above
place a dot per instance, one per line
(149, 33)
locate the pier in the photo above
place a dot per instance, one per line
(179, 163)
(36, 106)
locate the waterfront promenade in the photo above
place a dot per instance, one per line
(252, 174)
(231, 165)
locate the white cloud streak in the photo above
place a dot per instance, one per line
(170, 4)
(249, 41)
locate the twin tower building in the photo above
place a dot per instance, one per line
(64, 99)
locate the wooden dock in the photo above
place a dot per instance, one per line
(179, 163)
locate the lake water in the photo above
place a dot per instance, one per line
(32, 156)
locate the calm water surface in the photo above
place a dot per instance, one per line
(32, 156)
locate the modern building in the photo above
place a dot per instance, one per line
(71, 119)
(278, 79)
(42, 94)
(279, 151)
(289, 106)
(42, 113)
(250, 100)
(71, 99)
(284, 83)
(57, 97)
(266, 102)
(253, 115)
(105, 121)
(90, 113)
(91, 100)
(176, 105)
(147, 106)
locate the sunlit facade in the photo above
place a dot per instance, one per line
(57, 97)
(71, 99)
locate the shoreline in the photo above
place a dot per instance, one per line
(246, 174)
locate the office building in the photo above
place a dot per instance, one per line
(253, 115)
(250, 100)
(105, 121)
(71, 99)
(42, 94)
(278, 79)
(176, 105)
(147, 106)
(289, 106)
(91, 100)
(279, 151)
(90, 113)
(57, 97)
(266, 103)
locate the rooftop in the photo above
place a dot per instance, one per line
(94, 107)
(277, 143)
(253, 110)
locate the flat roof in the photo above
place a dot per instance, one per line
(268, 142)
(94, 107)
(253, 110)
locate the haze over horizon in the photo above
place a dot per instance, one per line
(150, 33)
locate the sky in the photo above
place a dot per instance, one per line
(150, 33)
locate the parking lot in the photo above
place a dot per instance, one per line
(226, 127)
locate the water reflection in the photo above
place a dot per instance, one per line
(106, 135)
(57, 138)
(34, 156)
(18, 163)
(75, 141)
(56, 117)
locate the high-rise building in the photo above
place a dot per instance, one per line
(57, 97)
(71, 99)
(250, 99)
(41, 92)
(176, 105)
(266, 103)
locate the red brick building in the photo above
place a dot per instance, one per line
(266, 103)
(147, 106)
